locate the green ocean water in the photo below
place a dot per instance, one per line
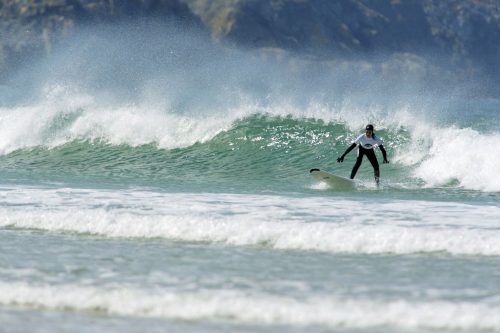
(256, 153)
(259, 153)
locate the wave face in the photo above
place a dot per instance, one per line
(252, 147)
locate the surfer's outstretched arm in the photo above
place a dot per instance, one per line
(384, 153)
(341, 158)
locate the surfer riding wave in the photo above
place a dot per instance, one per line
(366, 144)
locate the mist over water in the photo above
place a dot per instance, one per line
(178, 69)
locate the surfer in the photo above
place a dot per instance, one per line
(366, 144)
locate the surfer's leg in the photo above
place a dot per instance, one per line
(356, 166)
(376, 168)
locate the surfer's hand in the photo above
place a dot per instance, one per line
(340, 159)
(386, 161)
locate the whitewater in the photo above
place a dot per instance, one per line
(163, 184)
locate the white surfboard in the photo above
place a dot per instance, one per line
(334, 181)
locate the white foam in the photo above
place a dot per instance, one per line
(65, 114)
(462, 155)
(317, 224)
(42, 123)
(254, 308)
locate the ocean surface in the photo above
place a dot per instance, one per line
(185, 211)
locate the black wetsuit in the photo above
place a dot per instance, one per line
(370, 154)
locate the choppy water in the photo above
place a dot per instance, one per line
(125, 216)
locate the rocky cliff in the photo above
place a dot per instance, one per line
(463, 34)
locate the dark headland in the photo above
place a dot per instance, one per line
(460, 37)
